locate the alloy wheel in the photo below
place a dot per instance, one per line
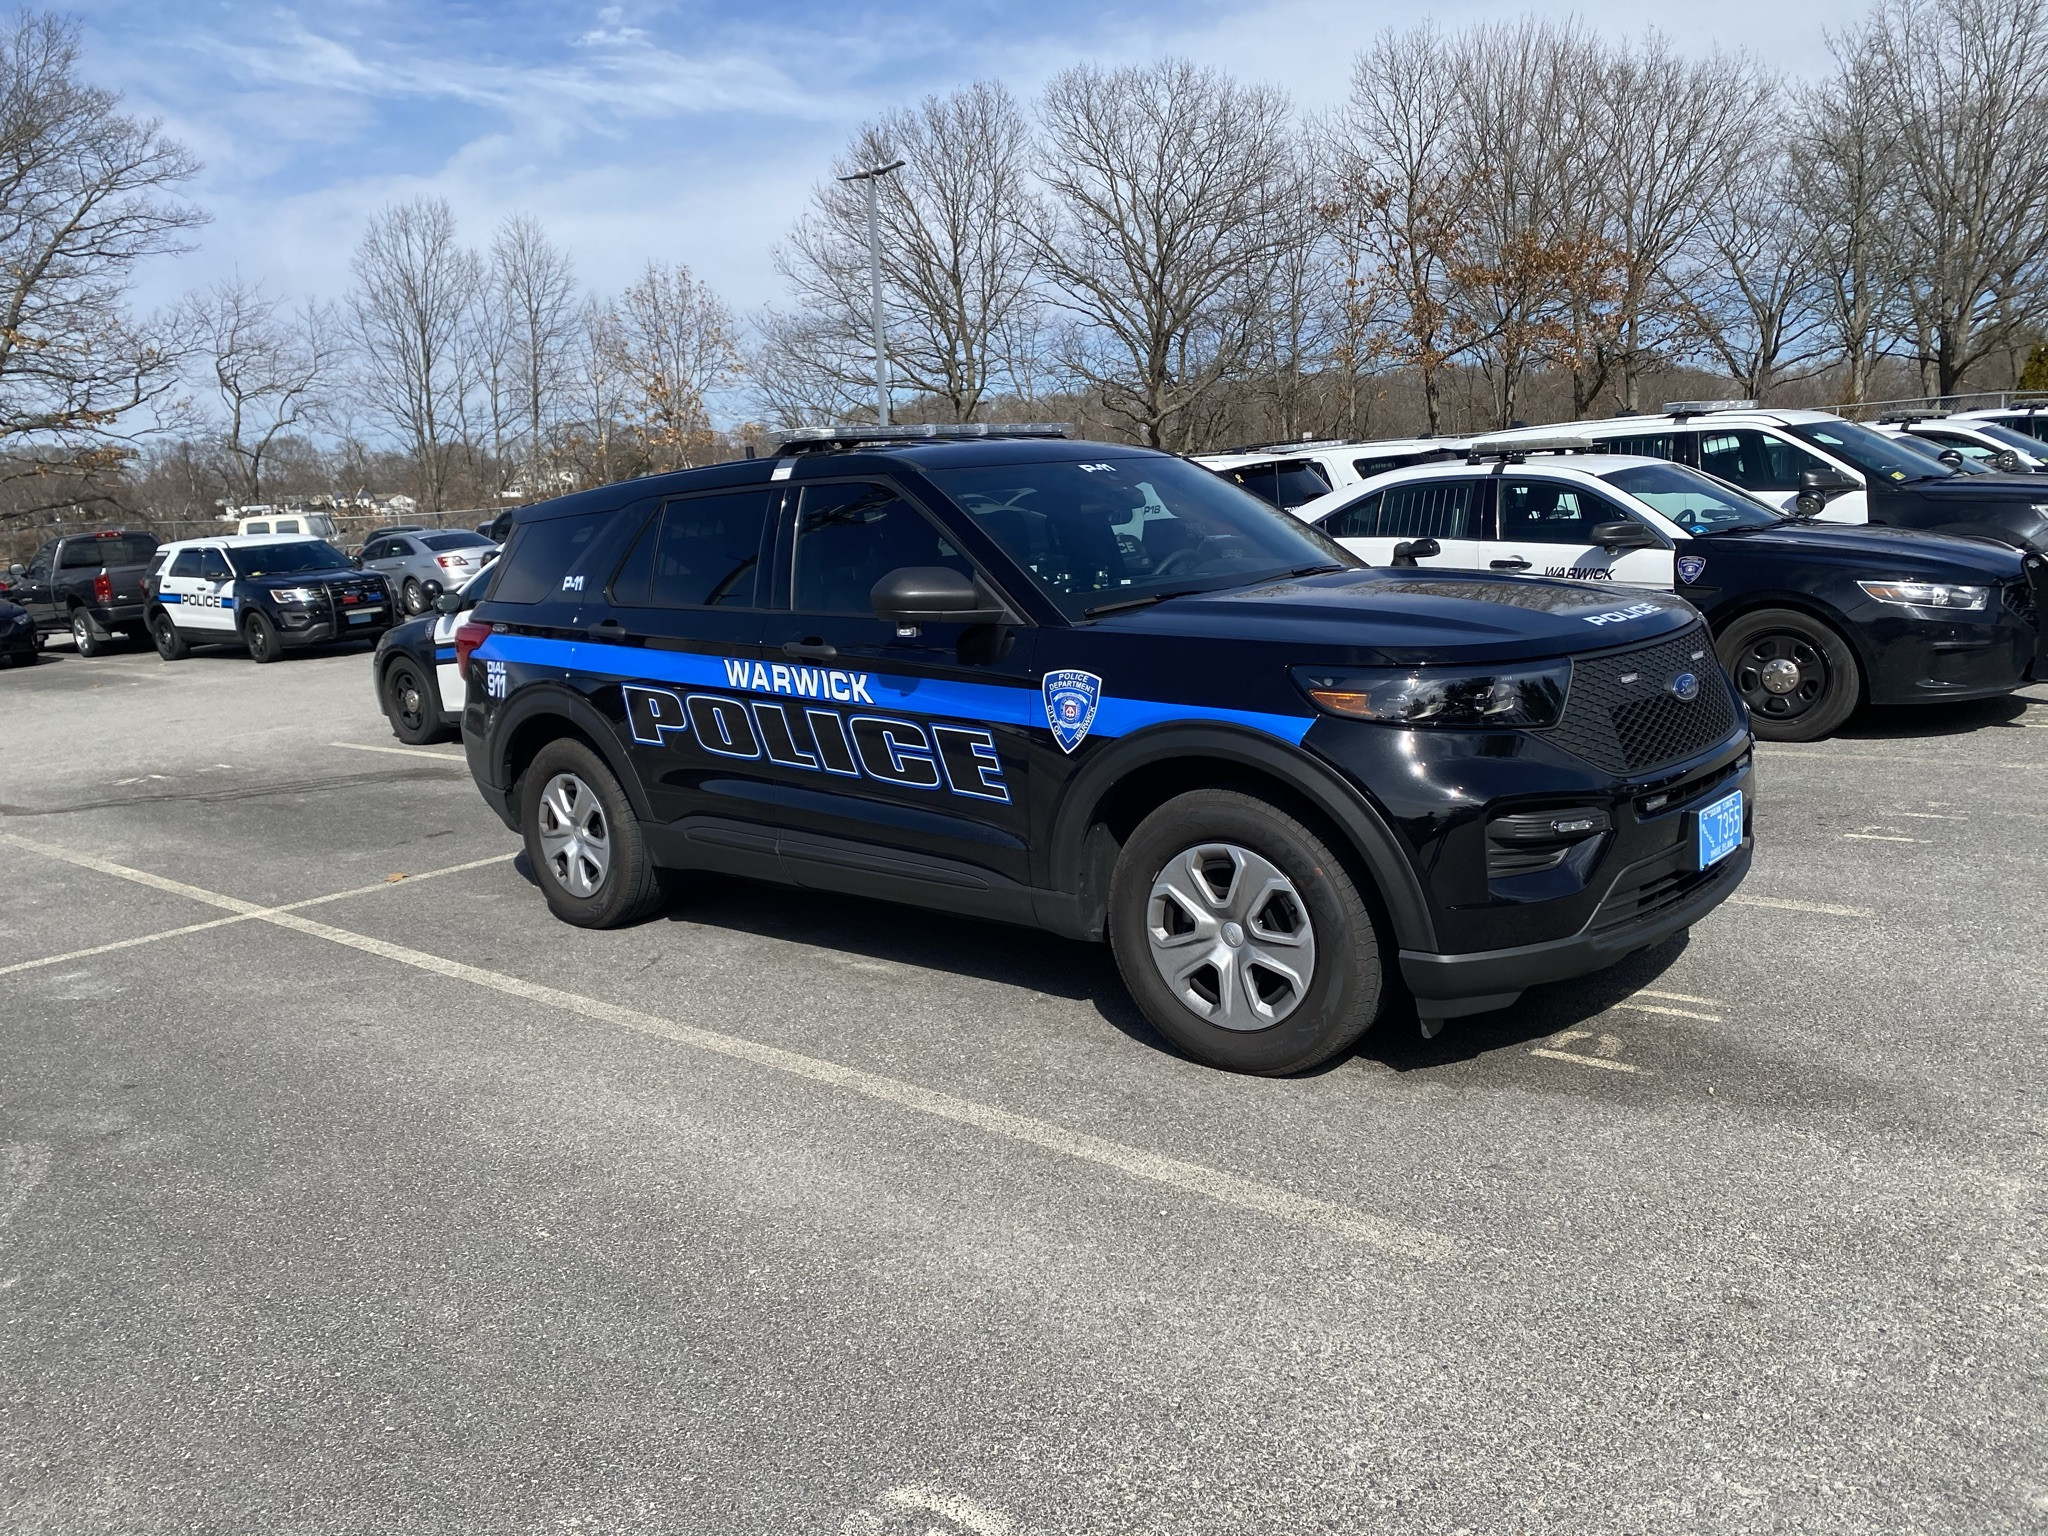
(1231, 936)
(574, 837)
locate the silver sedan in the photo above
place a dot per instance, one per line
(408, 561)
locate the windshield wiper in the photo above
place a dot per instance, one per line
(1138, 602)
(1317, 570)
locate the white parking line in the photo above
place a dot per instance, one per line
(243, 917)
(1193, 1178)
(1884, 837)
(1783, 904)
(1677, 997)
(363, 746)
(1676, 1013)
(1584, 1061)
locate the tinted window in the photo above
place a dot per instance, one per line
(1549, 512)
(2011, 439)
(213, 566)
(699, 553)
(256, 528)
(187, 563)
(1287, 483)
(1367, 468)
(1691, 500)
(455, 541)
(1357, 521)
(1879, 457)
(2033, 423)
(545, 555)
(1432, 509)
(1115, 529)
(848, 537)
(288, 559)
(1649, 445)
(1756, 461)
(121, 549)
(289, 525)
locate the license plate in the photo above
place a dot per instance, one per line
(1720, 829)
(367, 613)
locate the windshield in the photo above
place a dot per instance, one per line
(286, 559)
(1118, 530)
(1691, 500)
(2030, 446)
(1878, 456)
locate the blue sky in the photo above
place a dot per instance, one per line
(683, 131)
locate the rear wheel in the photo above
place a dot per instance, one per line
(82, 636)
(169, 643)
(1797, 674)
(1242, 936)
(413, 596)
(411, 704)
(261, 638)
(583, 840)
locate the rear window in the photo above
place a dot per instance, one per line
(546, 558)
(455, 541)
(115, 549)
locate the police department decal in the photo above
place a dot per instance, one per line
(1070, 700)
(1690, 568)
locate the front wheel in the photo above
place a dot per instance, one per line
(169, 643)
(1798, 676)
(261, 638)
(583, 840)
(1242, 936)
(88, 643)
(411, 704)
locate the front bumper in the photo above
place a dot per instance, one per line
(1449, 986)
(315, 626)
(1916, 659)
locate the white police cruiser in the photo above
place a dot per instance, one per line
(269, 593)
(419, 686)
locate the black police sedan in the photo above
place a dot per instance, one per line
(1810, 618)
(1098, 690)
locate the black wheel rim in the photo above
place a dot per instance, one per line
(408, 700)
(259, 638)
(1782, 674)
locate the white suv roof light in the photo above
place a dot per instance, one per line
(1705, 407)
(1528, 442)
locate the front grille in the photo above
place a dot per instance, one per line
(1621, 715)
(2019, 598)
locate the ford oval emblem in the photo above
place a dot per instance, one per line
(1686, 686)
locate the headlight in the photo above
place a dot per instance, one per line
(1481, 697)
(1927, 594)
(295, 594)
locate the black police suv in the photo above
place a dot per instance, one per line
(1098, 690)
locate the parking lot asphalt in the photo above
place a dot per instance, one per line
(413, 1209)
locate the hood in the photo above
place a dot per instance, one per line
(11, 611)
(1404, 617)
(1886, 550)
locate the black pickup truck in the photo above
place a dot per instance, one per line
(89, 584)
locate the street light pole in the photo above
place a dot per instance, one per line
(873, 176)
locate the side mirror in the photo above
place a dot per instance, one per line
(1824, 482)
(1624, 533)
(356, 560)
(1408, 551)
(1952, 457)
(16, 569)
(432, 590)
(448, 602)
(933, 594)
(2006, 462)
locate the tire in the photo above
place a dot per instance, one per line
(601, 881)
(412, 597)
(82, 637)
(1172, 934)
(411, 704)
(260, 635)
(1796, 673)
(169, 643)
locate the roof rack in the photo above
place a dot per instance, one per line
(1684, 408)
(1518, 447)
(1908, 417)
(838, 439)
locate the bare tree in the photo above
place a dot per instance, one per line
(268, 369)
(599, 393)
(1166, 185)
(804, 373)
(1961, 80)
(83, 199)
(673, 342)
(956, 263)
(534, 286)
(414, 288)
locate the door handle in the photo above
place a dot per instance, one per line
(1516, 564)
(810, 650)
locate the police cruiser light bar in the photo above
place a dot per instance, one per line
(825, 439)
(1684, 408)
(1514, 447)
(1903, 418)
